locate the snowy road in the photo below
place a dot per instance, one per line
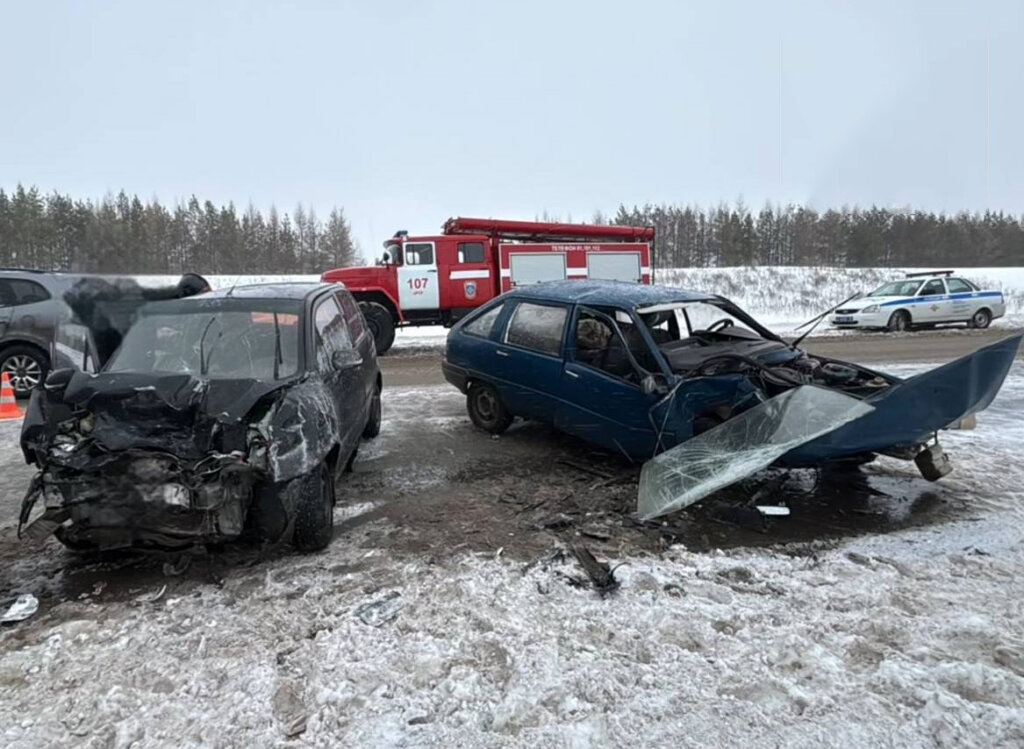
(895, 619)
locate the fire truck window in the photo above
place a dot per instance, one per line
(419, 254)
(471, 252)
(537, 327)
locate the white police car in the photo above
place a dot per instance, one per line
(921, 300)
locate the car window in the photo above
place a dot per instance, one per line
(484, 324)
(419, 253)
(537, 327)
(958, 286)
(332, 333)
(28, 292)
(933, 288)
(7, 298)
(897, 288)
(471, 252)
(353, 315)
(601, 346)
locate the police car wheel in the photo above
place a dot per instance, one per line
(486, 410)
(981, 319)
(899, 321)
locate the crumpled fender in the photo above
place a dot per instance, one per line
(301, 430)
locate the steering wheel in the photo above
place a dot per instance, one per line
(717, 325)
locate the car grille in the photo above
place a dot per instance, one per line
(846, 311)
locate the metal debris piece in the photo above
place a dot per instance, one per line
(773, 511)
(152, 597)
(23, 607)
(600, 574)
(380, 612)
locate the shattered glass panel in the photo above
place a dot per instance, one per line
(741, 446)
(537, 327)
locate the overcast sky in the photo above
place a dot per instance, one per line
(405, 113)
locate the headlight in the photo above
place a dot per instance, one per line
(869, 310)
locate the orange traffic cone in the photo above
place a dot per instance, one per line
(8, 405)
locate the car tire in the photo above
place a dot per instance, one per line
(486, 410)
(27, 367)
(899, 322)
(981, 319)
(314, 511)
(372, 428)
(381, 324)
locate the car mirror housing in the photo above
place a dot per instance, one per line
(346, 359)
(58, 379)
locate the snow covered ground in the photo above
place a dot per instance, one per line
(912, 638)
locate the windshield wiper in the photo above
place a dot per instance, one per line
(278, 359)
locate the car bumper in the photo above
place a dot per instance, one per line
(456, 375)
(861, 320)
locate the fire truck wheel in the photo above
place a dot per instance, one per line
(381, 326)
(486, 409)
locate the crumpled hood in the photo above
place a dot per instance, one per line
(177, 413)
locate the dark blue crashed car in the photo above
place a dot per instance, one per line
(639, 370)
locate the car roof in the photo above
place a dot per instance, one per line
(287, 290)
(623, 294)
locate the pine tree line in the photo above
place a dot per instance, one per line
(124, 235)
(688, 236)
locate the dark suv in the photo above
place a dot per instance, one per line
(29, 309)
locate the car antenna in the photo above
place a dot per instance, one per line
(234, 284)
(813, 322)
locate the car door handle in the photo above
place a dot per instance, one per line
(572, 374)
(431, 270)
(499, 352)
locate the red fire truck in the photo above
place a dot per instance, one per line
(435, 280)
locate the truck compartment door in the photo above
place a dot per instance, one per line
(614, 266)
(534, 267)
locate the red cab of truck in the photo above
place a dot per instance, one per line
(435, 280)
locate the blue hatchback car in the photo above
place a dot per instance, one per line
(639, 369)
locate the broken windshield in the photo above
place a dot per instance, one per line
(216, 343)
(741, 446)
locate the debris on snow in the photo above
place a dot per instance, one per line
(600, 574)
(380, 612)
(23, 607)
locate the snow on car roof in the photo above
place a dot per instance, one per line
(608, 293)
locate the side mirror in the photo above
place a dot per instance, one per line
(58, 379)
(652, 385)
(346, 359)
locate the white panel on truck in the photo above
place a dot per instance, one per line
(536, 267)
(614, 266)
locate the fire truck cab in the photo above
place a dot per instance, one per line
(435, 280)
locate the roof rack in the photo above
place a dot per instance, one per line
(931, 273)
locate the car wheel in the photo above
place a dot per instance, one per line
(26, 366)
(486, 409)
(314, 511)
(372, 428)
(381, 325)
(899, 322)
(981, 319)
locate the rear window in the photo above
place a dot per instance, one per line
(958, 286)
(537, 327)
(484, 324)
(15, 291)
